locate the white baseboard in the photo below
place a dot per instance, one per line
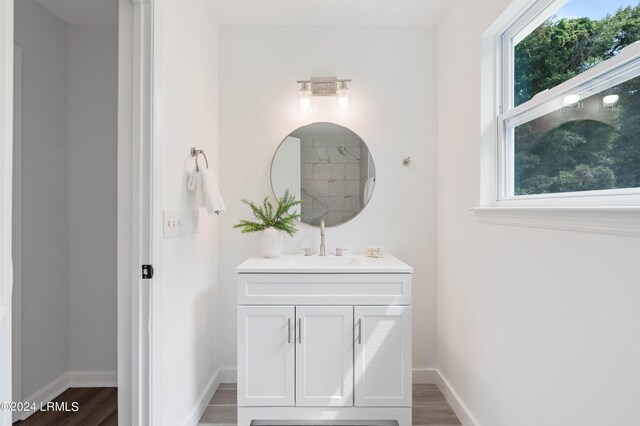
(454, 400)
(196, 412)
(424, 376)
(71, 379)
(46, 393)
(93, 379)
(435, 377)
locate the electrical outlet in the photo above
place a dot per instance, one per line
(196, 221)
(172, 224)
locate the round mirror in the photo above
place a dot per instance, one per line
(329, 168)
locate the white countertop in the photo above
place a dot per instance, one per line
(299, 264)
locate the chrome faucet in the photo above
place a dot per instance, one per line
(323, 247)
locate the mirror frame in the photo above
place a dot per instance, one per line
(335, 124)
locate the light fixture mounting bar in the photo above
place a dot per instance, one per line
(324, 86)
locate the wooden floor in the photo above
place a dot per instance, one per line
(96, 407)
(430, 408)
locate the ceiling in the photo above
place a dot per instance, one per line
(276, 12)
(84, 11)
(329, 12)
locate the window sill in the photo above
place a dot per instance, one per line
(623, 220)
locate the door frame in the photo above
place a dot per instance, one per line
(139, 317)
(6, 195)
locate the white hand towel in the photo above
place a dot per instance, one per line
(205, 185)
(368, 189)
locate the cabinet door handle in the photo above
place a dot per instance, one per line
(360, 331)
(289, 330)
(300, 330)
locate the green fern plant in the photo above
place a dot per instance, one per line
(268, 217)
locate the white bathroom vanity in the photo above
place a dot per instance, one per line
(324, 339)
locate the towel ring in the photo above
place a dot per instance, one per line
(195, 153)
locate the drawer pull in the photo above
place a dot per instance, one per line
(289, 330)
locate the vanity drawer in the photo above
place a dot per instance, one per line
(324, 289)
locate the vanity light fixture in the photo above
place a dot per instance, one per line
(610, 99)
(324, 86)
(343, 95)
(304, 98)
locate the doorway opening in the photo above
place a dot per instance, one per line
(65, 209)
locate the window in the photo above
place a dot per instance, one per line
(569, 120)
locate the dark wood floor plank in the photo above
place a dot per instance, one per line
(95, 410)
(96, 406)
(47, 417)
(112, 420)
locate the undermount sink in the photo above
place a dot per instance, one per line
(323, 264)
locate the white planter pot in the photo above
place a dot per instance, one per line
(272, 242)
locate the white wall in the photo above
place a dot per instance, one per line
(188, 269)
(45, 312)
(535, 327)
(394, 111)
(92, 146)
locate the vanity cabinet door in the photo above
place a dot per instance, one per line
(266, 355)
(324, 356)
(382, 362)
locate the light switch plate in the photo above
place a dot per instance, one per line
(172, 223)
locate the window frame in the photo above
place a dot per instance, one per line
(613, 71)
